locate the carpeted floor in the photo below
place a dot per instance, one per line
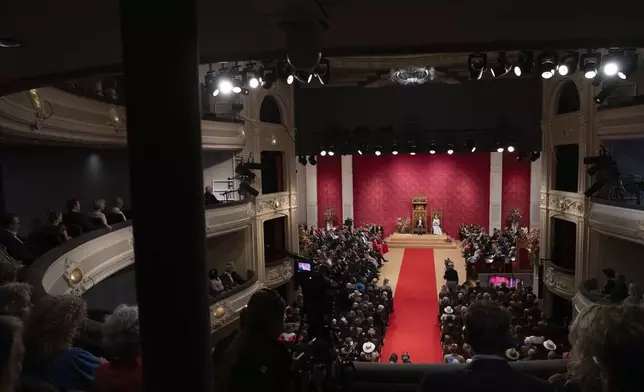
(413, 326)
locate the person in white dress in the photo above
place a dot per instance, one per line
(436, 226)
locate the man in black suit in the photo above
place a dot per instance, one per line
(487, 330)
(15, 246)
(209, 197)
(74, 217)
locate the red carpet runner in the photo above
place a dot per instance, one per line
(413, 325)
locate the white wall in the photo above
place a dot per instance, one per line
(221, 250)
(623, 256)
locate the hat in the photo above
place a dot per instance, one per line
(550, 345)
(449, 310)
(512, 354)
(528, 341)
(368, 347)
(468, 360)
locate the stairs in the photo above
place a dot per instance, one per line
(397, 240)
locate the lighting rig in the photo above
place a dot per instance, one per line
(615, 63)
(603, 169)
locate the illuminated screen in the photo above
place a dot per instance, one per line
(304, 266)
(509, 282)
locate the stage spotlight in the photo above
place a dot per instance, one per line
(268, 80)
(378, 151)
(611, 64)
(477, 64)
(629, 67)
(412, 153)
(302, 160)
(394, 150)
(312, 160)
(469, 146)
(535, 155)
(246, 189)
(323, 153)
(450, 149)
(502, 67)
(525, 63)
(499, 148)
(520, 156)
(289, 79)
(359, 152)
(432, 148)
(547, 64)
(568, 64)
(331, 151)
(603, 95)
(510, 148)
(303, 77)
(253, 82)
(589, 64)
(225, 85)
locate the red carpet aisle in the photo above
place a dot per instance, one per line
(413, 326)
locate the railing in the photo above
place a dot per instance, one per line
(372, 377)
(559, 280)
(279, 272)
(616, 220)
(627, 192)
(588, 294)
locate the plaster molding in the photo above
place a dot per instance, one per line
(566, 203)
(559, 281)
(618, 222)
(273, 203)
(76, 120)
(620, 123)
(227, 310)
(581, 302)
(277, 275)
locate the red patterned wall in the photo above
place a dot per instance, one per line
(516, 188)
(329, 187)
(459, 184)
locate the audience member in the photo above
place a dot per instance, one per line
(97, 215)
(487, 330)
(15, 300)
(49, 235)
(15, 246)
(117, 208)
(121, 340)
(608, 342)
(255, 360)
(76, 222)
(11, 352)
(209, 197)
(50, 356)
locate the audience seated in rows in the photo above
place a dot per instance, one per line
(56, 230)
(228, 280)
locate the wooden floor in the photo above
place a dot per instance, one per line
(391, 269)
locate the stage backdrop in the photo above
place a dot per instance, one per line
(515, 188)
(459, 184)
(329, 188)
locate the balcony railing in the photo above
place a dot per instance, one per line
(559, 280)
(617, 220)
(626, 192)
(279, 272)
(588, 294)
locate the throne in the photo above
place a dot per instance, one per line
(419, 211)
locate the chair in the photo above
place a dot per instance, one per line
(74, 231)
(419, 211)
(113, 218)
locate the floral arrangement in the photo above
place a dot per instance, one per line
(530, 240)
(403, 225)
(329, 215)
(514, 216)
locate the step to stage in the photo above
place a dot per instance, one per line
(398, 240)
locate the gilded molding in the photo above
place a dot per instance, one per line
(566, 204)
(559, 281)
(279, 274)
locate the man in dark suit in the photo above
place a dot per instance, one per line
(487, 330)
(209, 197)
(15, 246)
(74, 217)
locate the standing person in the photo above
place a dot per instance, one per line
(451, 278)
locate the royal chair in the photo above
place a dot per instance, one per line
(419, 212)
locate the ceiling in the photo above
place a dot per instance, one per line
(74, 38)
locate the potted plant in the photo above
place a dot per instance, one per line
(329, 217)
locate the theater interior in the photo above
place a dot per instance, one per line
(305, 115)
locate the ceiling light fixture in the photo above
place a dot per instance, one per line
(629, 67)
(503, 66)
(450, 149)
(499, 147)
(470, 146)
(510, 148)
(477, 64)
(225, 86)
(378, 151)
(547, 64)
(589, 64)
(525, 63)
(611, 64)
(323, 153)
(9, 43)
(568, 64)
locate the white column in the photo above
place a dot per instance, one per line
(301, 192)
(347, 187)
(311, 196)
(496, 189)
(535, 194)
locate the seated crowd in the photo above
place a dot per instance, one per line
(56, 229)
(226, 281)
(615, 290)
(531, 336)
(350, 260)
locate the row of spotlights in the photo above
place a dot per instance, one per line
(534, 155)
(617, 63)
(469, 146)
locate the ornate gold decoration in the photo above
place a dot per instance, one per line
(559, 281)
(37, 103)
(565, 204)
(280, 274)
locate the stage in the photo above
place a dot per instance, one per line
(398, 240)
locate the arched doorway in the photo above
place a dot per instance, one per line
(568, 99)
(269, 111)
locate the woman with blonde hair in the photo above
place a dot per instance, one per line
(608, 342)
(97, 212)
(50, 355)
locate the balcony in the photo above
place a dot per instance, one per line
(559, 280)
(58, 116)
(587, 295)
(279, 272)
(617, 219)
